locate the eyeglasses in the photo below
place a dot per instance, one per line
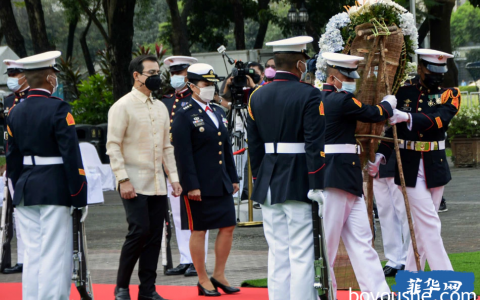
(270, 66)
(152, 72)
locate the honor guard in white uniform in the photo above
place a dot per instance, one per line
(345, 212)
(286, 130)
(48, 178)
(17, 83)
(424, 112)
(393, 218)
(178, 66)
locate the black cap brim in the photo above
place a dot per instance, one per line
(13, 71)
(177, 68)
(350, 73)
(304, 52)
(435, 68)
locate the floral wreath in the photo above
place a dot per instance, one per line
(340, 31)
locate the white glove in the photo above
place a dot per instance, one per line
(399, 117)
(391, 100)
(374, 166)
(84, 212)
(316, 195)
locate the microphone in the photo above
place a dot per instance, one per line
(222, 50)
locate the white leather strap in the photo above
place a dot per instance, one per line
(42, 161)
(285, 148)
(342, 148)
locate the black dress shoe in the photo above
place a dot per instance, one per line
(207, 293)
(191, 271)
(390, 272)
(122, 294)
(18, 268)
(179, 270)
(226, 289)
(443, 206)
(152, 296)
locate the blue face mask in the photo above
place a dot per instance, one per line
(177, 81)
(349, 87)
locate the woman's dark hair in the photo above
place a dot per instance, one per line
(136, 65)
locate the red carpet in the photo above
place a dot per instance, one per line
(13, 291)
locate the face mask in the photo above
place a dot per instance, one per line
(153, 82)
(177, 81)
(270, 72)
(433, 81)
(12, 83)
(56, 84)
(349, 87)
(303, 73)
(207, 93)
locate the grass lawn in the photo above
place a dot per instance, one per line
(462, 262)
(3, 161)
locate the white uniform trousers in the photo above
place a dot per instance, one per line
(47, 268)
(289, 233)
(20, 245)
(183, 236)
(393, 221)
(345, 216)
(424, 204)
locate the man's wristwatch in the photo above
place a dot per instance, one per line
(123, 180)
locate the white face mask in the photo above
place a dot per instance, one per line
(207, 93)
(350, 87)
(56, 83)
(13, 84)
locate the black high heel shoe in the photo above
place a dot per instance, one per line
(226, 289)
(207, 293)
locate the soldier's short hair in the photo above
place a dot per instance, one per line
(136, 65)
(36, 78)
(287, 61)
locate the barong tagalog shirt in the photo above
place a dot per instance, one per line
(138, 143)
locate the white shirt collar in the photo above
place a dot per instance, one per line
(44, 90)
(202, 105)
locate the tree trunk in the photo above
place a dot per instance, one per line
(423, 30)
(72, 26)
(239, 21)
(440, 35)
(311, 31)
(263, 22)
(9, 27)
(179, 36)
(38, 29)
(120, 31)
(85, 50)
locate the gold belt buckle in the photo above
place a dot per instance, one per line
(422, 146)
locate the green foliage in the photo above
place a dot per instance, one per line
(104, 58)
(70, 75)
(465, 25)
(468, 88)
(95, 100)
(466, 123)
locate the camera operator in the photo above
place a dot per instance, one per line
(259, 70)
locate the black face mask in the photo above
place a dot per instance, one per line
(153, 82)
(433, 81)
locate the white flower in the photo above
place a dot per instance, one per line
(474, 122)
(408, 26)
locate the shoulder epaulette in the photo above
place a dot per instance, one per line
(453, 94)
(187, 107)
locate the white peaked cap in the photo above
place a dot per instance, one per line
(40, 61)
(296, 44)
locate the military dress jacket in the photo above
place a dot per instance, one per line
(203, 152)
(176, 101)
(44, 126)
(286, 111)
(431, 113)
(8, 103)
(342, 111)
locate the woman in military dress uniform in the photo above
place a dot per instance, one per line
(208, 176)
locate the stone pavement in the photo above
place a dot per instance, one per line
(106, 229)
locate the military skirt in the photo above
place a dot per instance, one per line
(211, 213)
